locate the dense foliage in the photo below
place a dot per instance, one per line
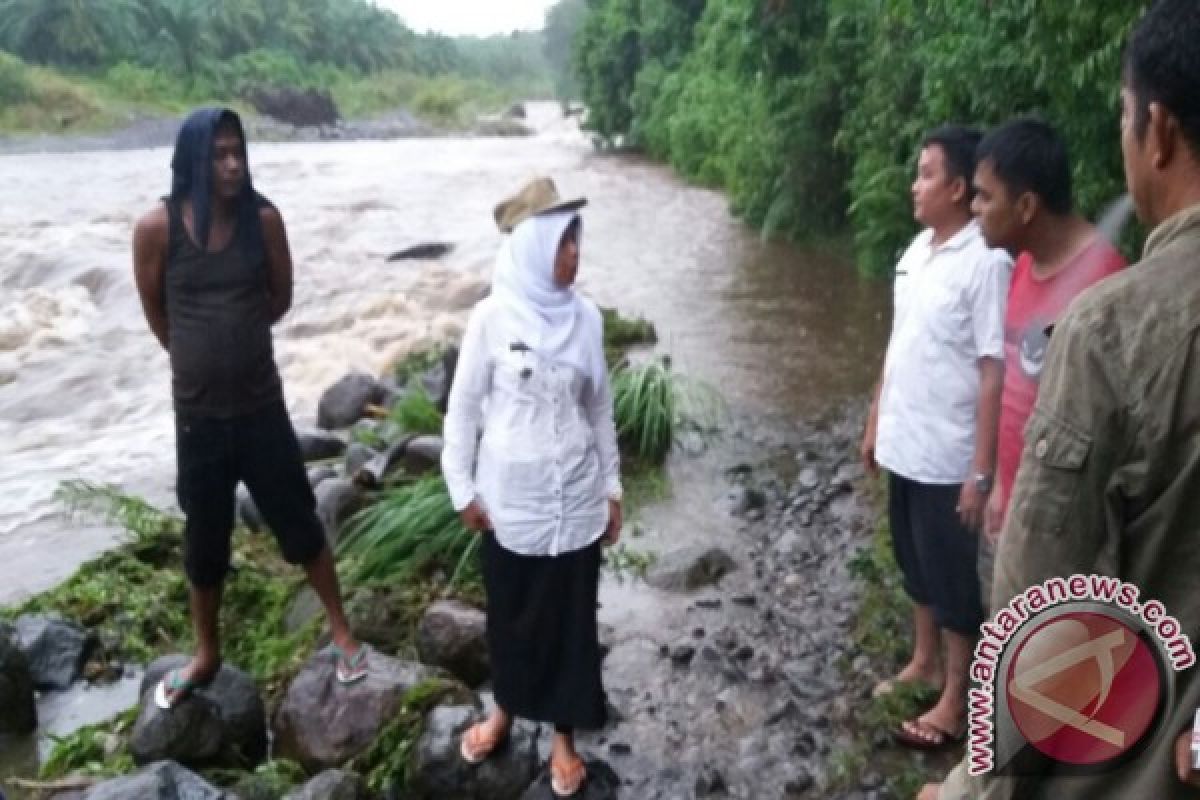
(170, 54)
(809, 112)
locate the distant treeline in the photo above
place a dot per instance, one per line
(204, 49)
(808, 112)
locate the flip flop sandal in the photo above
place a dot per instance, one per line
(174, 682)
(919, 735)
(477, 745)
(350, 669)
(567, 781)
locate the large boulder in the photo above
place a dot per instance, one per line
(55, 647)
(320, 445)
(689, 568)
(324, 724)
(415, 454)
(602, 784)
(381, 617)
(439, 772)
(18, 711)
(342, 404)
(453, 635)
(437, 379)
(423, 454)
(332, 784)
(224, 723)
(163, 780)
(358, 454)
(299, 107)
(337, 500)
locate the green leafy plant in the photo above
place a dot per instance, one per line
(101, 749)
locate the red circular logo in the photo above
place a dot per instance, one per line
(1084, 688)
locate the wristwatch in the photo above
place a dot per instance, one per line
(983, 482)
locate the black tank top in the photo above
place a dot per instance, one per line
(218, 324)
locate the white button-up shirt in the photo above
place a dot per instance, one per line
(949, 313)
(547, 461)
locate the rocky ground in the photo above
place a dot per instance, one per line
(750, 688)
(735, 668)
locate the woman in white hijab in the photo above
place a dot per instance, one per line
(531, 462)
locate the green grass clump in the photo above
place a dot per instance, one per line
(410, 531)
(416, 413)
(651, 404)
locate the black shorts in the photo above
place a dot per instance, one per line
(260, 450)
(937, 554)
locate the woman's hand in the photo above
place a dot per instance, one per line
(475, 518)
(613, 532)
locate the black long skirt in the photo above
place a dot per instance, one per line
(541, 630)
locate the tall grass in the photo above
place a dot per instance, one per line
(110, 504)
(652, 404)
(409, 531)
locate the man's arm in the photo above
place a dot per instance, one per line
(987, 422)
(279, 262)
(149, 269)
(871, 431)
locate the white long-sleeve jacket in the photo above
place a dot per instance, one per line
(547, 460)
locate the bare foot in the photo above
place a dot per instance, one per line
(929, 675)
(924, 674)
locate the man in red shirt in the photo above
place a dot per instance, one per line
(1024, 205)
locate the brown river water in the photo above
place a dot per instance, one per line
(84, 389)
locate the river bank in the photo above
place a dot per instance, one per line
(785, 334)
(141, 130)
(739, 666)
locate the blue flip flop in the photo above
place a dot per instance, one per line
(174, 681)
(350, 669)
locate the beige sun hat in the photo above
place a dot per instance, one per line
(539, 196)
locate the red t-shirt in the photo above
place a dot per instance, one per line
(1034, 304)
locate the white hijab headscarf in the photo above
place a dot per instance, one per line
(554, 322)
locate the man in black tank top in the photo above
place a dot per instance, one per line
(214, 272)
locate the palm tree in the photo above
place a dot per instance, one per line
(73, 33)
(184, 24)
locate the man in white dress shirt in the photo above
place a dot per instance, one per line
(933, 422)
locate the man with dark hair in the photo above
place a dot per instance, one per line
(214, 272)
(1110, 479)
(932, 424)
(1024, 205)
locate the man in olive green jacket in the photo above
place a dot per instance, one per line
(1109, 481)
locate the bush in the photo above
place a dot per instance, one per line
(15, 85)
(809, 113)
(651, 404)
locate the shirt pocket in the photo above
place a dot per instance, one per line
(945, 317)
(1051, 473)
